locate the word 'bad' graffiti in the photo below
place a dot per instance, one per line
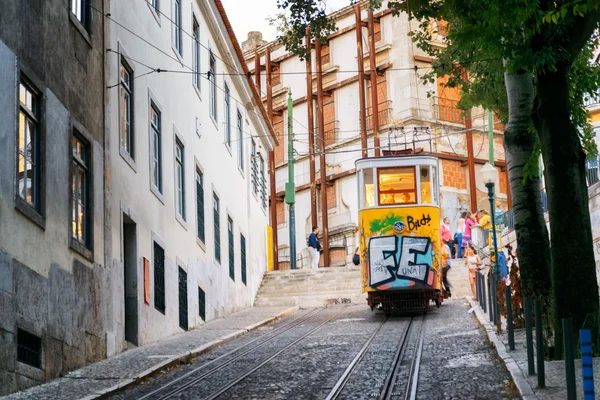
(396, 257)
(414, 224)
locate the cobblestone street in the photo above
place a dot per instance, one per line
(346, 353)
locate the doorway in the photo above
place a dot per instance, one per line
(130, 279)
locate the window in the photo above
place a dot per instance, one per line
(177, 33)
(81, 191)
(200, 204)
(240, 129)
(126, 108)
(179, 179)
(227, 116)
(29, 169)
(231, 249)
(156, 148)
(263, 181)
(155, 5)
(183, 300)
(81, 10)
(243, 253)
(217, 227)
(196, 52)
(397, 186)
(159, 278)
(29, 348)
(369, 189)
(426, 190)
(212, 70)
(254, 168)
(201, 303)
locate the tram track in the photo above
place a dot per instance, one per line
(262, 341)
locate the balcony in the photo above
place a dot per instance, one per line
(331, 130)
(591, 170)
(591, 100)
(447, 110)
(384, 113)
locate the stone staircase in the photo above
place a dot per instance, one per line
(311, 288)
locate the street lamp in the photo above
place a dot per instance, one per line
(490, 175)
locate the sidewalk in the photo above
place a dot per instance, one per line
(107, 376)
(516, 363)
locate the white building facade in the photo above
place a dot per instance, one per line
(186, 188)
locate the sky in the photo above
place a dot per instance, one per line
(251, 15)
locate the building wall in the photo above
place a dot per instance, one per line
(185, 114)
(50, 286)
(406, 104)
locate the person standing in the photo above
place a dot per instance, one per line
(469, 222)
(473, 264)
(446, 235)
(446, 265)
(314, 248)
(458, 235)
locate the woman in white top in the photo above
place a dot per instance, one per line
(473, 263)
(460, 229)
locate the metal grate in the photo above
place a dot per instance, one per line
(263, 182)
(29, 348)
(217, 226)
(159, 278)
(202, 304)
(231, 249)
(243, 252)
(200, 205)
(392, 302)
(183, 300)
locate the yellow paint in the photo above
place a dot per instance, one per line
(418, 221)
(269, 248)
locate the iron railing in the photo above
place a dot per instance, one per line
(331, 130)
(384, 113)
(592, 173)
(447, 110)
(590, 100)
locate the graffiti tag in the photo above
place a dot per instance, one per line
(414, 224)
(395, 257)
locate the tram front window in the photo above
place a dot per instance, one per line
(426, 189)
(397, 186)
(369, 188)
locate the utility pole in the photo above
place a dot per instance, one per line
(361, 82)
(491, 136)
(290, 187)
(373, 78)
(311, 134)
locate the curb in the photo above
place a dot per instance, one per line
(180, 358)
(516, 374)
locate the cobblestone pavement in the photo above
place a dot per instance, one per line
(306, 354)
(123, 369)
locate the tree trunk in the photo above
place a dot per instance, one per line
(574, 284)
(532, 234)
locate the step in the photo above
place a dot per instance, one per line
(312, 301)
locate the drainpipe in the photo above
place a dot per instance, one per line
(374, 101)
(273, 194)
(323, 164)
(257, 72)
(311, 135)
(361, 82)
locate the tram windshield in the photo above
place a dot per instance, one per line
(426, 187)
(397, 186)
(369, 187)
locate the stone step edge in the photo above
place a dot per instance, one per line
(185, 357)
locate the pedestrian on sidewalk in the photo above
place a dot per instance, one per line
(473, 264)
(446, 234)
(314, 248)
(458, 235)
(470, 220)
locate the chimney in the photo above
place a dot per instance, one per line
(254, 40)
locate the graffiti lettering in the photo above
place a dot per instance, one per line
(418, 223)
(392, 257)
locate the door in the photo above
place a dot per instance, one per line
(183, 300)
(130, 279)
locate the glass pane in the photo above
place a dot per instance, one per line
(426, 189)
(434, 185)
(369, 188)
(397, 186)
(22, 134)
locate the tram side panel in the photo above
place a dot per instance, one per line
(400, 249)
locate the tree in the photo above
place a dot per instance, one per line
(537, 51)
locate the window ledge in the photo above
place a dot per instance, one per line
(178, 55)
(197, 89)
(228, 147)
(31, 213)
(214, 122)
(181, 221)
(86, 35)
(242, 172)
(154, 13)
(200, 243)
(81, 249)
(157, 193)
(128, 159)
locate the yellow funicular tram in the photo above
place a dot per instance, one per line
(399, 227)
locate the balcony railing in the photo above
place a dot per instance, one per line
(331, 130)
(592, 173)
(384, 113)
(447, 110)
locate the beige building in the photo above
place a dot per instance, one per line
(412, 117)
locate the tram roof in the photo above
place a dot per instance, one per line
(396, 161)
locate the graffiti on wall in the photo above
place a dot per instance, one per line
(398, 257)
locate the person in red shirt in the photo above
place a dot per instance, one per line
(446, 234)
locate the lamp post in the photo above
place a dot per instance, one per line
(490, 175)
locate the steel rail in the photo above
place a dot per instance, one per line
(413, 377)
(387, 390)
(281, 330)
(341, 383)
(265, 362)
